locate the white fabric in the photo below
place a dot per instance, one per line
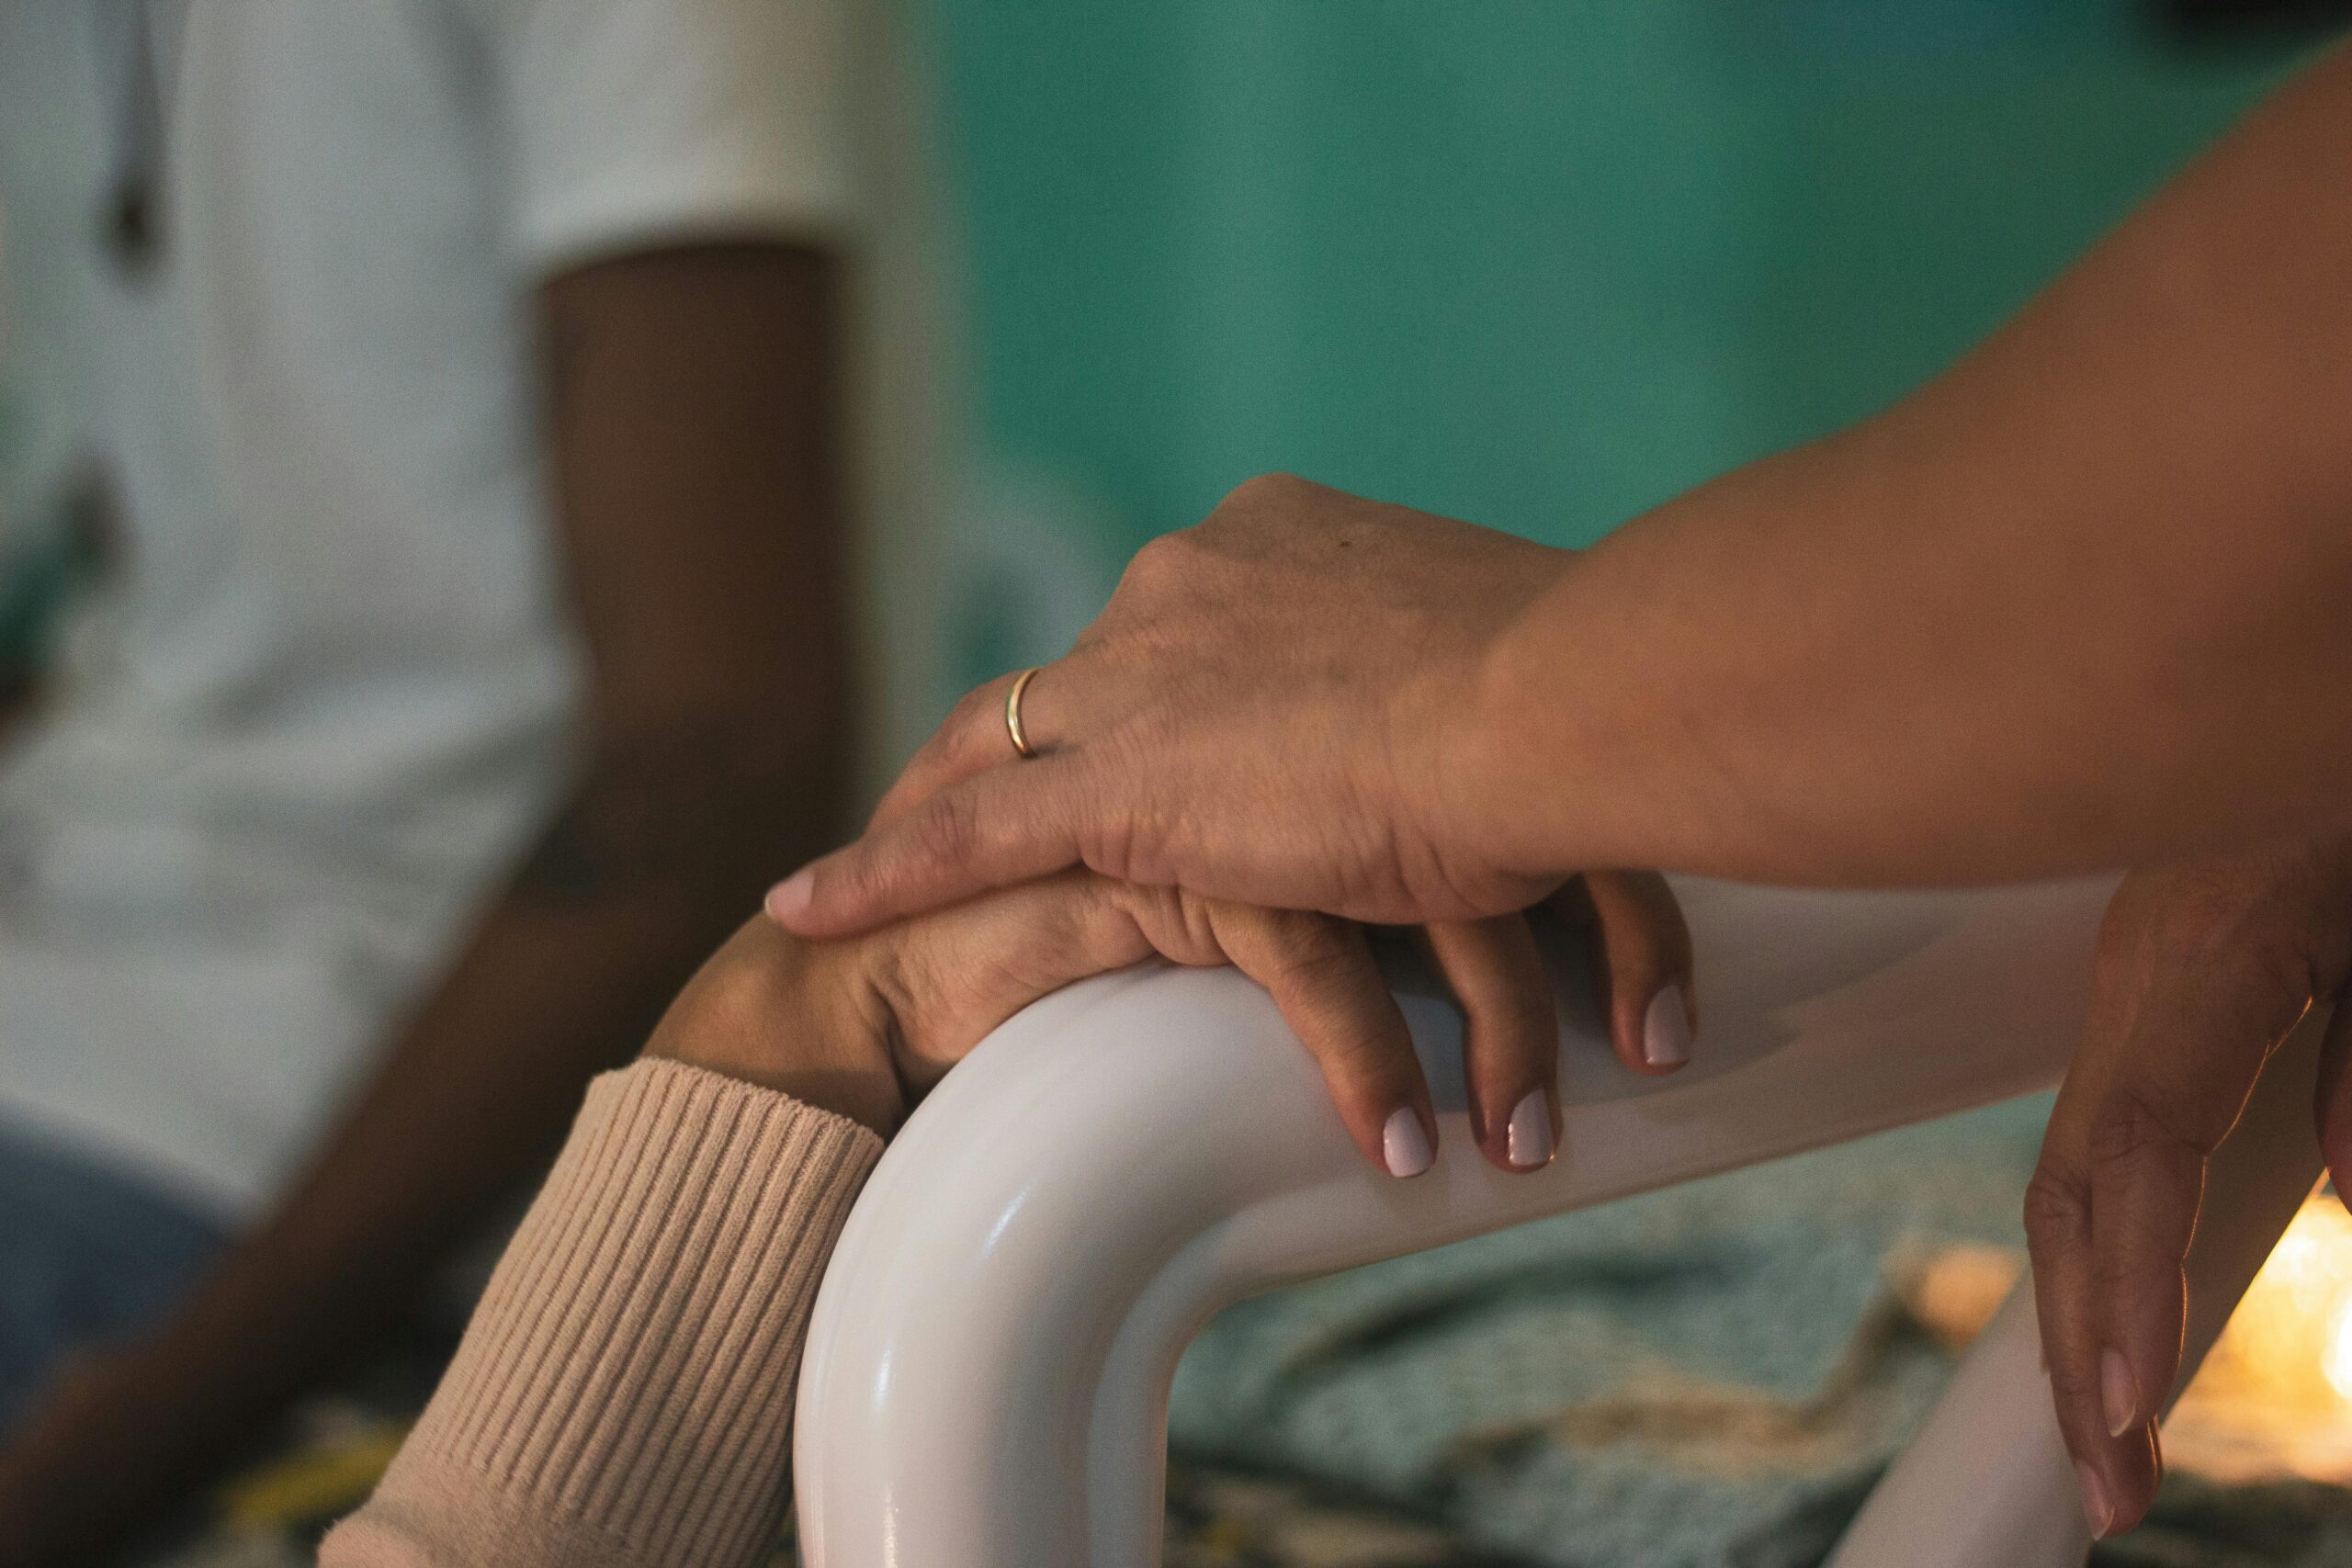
(328, 704)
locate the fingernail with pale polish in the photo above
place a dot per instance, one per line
(2094, 1505)
(1405, 1144)
(1666, 1030)
(2118, 1392)
(790, 897)
(1527, 1140)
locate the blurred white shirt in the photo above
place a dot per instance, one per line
(292, 753)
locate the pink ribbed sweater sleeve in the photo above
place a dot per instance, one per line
(623, 1397)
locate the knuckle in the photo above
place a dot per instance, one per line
(903, 979)
(1640, 913)
(2238, 921)
(1196, 917)
(1262, 490)
(1370, 1059)
(1178, 924)
(2216, 889)
(1161, 564)
(1308, 953)
(2075, 1386)
(977, 721)
(2278, 959)
(945, 831)
(2129, 1130)
(2055, 1208)
(1113, 843)
(969, 708)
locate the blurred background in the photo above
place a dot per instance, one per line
(1538, 264)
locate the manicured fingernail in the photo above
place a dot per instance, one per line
(2094, 1505)
(2118, 1391)
(1666, 1030)
(1527, 1141)
(1405, 1144)
(790, 897)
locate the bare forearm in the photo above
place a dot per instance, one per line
(2079, 603)
(462, 1112)
(691, 420)
(691, 400)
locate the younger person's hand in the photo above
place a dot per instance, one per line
(1279, 705)
(2202, 969)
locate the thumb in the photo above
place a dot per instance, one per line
(949, 978)
(1007, 825)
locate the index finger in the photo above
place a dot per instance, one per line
(1641, 964)
(975, 736)
(999, 827)
(2171, 1052)
(2195, 1057)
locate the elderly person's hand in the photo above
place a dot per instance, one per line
(1275, 708)
(2202, 969)
(862, 1027)
(1269, 712)
(882, 1016)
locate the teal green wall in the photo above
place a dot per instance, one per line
(1540, 264)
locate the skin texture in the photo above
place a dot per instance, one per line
(1322, 973)
(1639, 947)
(2203, 968)
(2077, 603)
(865, 1027)
(691, 410)
(1258, 707)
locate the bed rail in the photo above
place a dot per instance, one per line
(988, 1368)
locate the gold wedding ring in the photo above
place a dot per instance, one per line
(1013, 712)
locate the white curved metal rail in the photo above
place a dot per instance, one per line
(987, 1372)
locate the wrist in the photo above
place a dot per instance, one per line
(1483, 751)
(798, 1017)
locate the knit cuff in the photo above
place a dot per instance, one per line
(632, 1366)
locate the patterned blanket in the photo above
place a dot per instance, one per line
(1706, 1378)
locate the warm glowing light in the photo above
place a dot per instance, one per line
(2338, 1361)
(2275, 1397)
